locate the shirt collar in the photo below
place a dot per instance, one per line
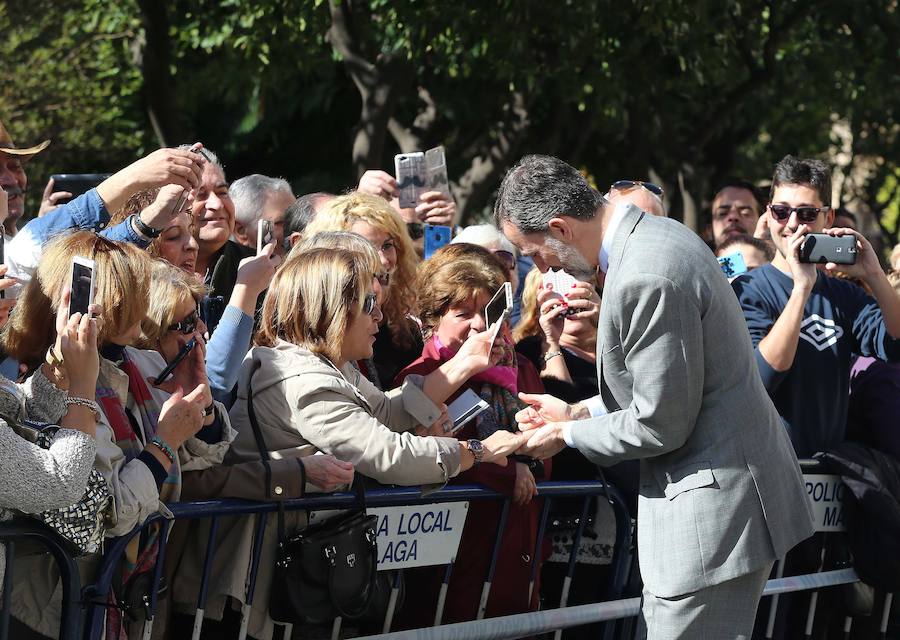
(606, 246)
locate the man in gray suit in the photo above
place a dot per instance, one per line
(721, 494)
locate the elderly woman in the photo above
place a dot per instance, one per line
(147, 435)
(454, 286)
(398, 341)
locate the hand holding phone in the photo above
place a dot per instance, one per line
(169, 370)
(436, 237)
(82, 287)
(821, 248)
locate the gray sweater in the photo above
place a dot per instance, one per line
(34, 479)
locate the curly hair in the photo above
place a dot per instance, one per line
(529, 321)
(340, 214)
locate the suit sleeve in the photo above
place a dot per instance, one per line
(662, 352)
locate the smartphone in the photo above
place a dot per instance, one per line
(820, 248)
(500, 305)
(733, 264)
(410, 169)
(265, 234)
(464, 408)
(181, 355)
(197, 147)
(436, 236)
(82, 296)
(436, 171)
(76, 183)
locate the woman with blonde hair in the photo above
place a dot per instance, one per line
(146, 436)
(399, 339)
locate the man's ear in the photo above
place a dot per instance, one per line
(295, 237)
(561, 229)
(240, 234)
(829, 218)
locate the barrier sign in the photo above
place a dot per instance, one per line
(826, 496)
(419, 536)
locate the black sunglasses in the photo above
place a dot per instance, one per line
(626, 185)
(369, 303)
(805, 215)
(188, 325)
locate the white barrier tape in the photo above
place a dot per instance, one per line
(526, 624)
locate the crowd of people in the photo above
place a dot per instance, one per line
(350, 346)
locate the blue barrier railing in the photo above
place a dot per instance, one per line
(96, 594)
(12, 535)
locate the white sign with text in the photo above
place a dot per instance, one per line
(419, 535)
(826, 496)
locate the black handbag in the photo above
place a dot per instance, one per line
(328, 569)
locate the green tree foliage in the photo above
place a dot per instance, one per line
(686, 93)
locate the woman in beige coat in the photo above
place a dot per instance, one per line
(308, 398)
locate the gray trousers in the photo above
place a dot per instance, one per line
(725, 610)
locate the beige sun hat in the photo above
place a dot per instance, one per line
(8, 146)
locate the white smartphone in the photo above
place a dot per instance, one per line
(410, 169)
(464, 408)
(82, 296)
(265, 234)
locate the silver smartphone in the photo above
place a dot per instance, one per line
(410, 168)
(82, 291)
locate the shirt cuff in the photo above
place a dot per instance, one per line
(594, 406)
(567, 434)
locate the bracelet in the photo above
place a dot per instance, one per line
(551, 354)
(163, 446)
(84, 402)
(145, 229)
(208, 411)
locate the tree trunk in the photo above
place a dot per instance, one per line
(154, 60)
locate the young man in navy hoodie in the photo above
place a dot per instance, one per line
(805, 325)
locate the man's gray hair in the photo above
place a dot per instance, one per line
(250, 193)
(540, 188)
(208, 154)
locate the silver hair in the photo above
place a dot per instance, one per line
(250, 193)
(209, 155)
(540, 188)
(485, 235)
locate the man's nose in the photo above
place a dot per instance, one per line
(213, 202)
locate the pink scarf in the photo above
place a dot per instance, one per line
(503, 374)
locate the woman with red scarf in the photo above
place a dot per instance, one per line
(454, 286)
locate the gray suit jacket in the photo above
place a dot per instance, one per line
(721, 494)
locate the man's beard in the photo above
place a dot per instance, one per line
(572, 261)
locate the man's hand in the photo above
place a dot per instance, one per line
(378, 183)
(761, 232)
(525, 488)
(804, 274)
(327, 472)
(544, 442)
(544, 409)
(867, 267)
(50, 199)
(436, 208)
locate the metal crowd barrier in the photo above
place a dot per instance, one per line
(96, 594)
(15, 533)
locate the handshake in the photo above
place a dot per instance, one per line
(541, 426)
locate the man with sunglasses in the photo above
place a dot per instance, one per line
(644, 195)
(805, 325)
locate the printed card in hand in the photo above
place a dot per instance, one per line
(561, 283)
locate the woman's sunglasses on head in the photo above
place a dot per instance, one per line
(628, 185)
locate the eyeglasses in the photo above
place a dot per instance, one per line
(507, 258)
(188, 325)
(805, 215)
(369, 304)
(627, 185)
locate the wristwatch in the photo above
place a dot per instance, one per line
(477, 450)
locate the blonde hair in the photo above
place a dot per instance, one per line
(312, 298)
(454, 274)
(529, 321)
(340, 214)
(121, 287)
(336, 240)
(170, 286)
